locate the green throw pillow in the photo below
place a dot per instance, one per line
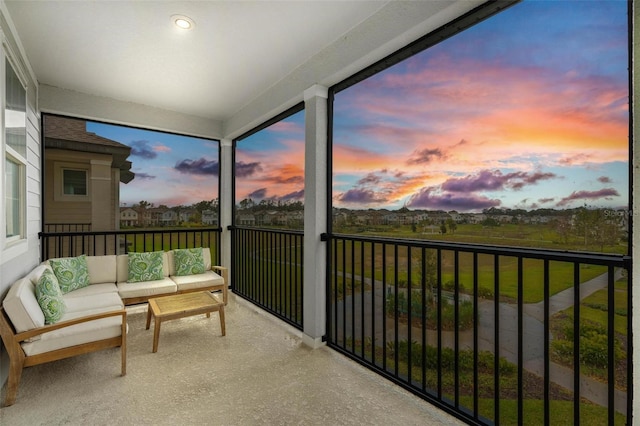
(145, 266)
(189, 261)
(49, 297)
(72, 272)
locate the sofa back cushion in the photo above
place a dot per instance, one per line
(72, 272)
(146, 266)
(21, 304)
(188, 261)
(49, 297)
(122, 267)
(206, 256)
(102, 269)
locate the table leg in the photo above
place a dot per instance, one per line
(156, 334)
(221, 313)
(148, 317)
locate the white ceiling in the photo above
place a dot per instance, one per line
(237, 52)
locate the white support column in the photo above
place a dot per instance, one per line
(315, 215)
(226, 201)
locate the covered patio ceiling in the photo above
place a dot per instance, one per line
(240, 61)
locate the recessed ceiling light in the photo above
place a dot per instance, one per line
(183, 22)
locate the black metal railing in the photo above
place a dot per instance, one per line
(491, 335)
(68, 244)
(267, 270)
(67, 227)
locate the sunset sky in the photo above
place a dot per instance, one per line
(528, 109)
(170, 169)
(270, 163)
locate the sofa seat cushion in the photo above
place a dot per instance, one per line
(102, 269)
(146, 288)
(103, 288)
(22, 307)
(191, 282)
(108, 301)
(78, 334)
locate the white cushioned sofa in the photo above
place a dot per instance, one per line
(35, 330)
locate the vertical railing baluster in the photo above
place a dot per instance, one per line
(352, 266)
(373, 303)
(439, 320)
(456, 327)
(629, 369)
(496, 339)
(362, 293)
(576, 343)
(385, 295)
(611, 357)
(546, 344)
(344, 295)
(520, 340)
(409, 339)
(423, 314)
(395, 312)
(336, 284)
(476, 317)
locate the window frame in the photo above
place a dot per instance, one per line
(58, 172)
(14, 245)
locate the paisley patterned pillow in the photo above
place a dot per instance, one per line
(189, 261)
(49, 297)
(72, 272)
(145, 266)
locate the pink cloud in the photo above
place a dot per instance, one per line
(588, 195)
(361, 196)
(432, 198)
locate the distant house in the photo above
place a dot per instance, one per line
(246, 219)
(152, 216)
(83, 175)
(169, 217)
(186, 215)
(209, 217)
(128, 217)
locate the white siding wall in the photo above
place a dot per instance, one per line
(17, 263)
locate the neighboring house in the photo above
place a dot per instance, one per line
(128, 217)
(152, 216)
(246, 219)
(83, 172)
(209, 217)
(187, 215)
(169, 217)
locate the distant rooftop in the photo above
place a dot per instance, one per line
(71, 134)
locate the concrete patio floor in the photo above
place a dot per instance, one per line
(260, 373)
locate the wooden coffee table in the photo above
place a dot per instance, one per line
(176, 306)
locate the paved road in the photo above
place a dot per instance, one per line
(533, 350)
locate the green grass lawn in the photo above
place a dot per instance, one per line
(561, 412)
(367, 259)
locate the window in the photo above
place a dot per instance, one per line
(15, 150)
(74, 182)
